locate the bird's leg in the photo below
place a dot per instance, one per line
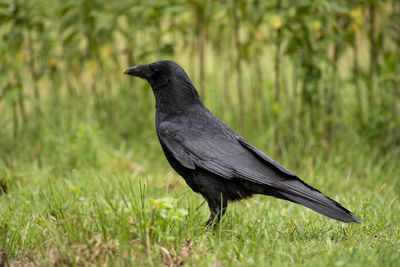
(217, 209)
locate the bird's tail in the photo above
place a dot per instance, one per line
(299, 192)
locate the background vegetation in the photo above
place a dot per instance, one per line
(313, 83)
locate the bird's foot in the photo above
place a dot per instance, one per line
(212, 223)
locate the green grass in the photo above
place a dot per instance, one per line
(88, 198)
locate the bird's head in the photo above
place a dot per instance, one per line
(158, 72)
(169, 82)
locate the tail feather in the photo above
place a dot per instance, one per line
(299, 192)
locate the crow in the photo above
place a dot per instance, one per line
(213, 159)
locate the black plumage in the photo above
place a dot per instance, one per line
(212, 158)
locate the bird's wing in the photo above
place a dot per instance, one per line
(226, 155)
(178, 152)
(263, 156)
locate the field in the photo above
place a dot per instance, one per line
(84, 182)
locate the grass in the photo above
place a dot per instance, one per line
(90, 201)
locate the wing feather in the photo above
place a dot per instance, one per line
(227, 157)
(264, 157)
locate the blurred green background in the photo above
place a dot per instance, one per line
(313, 71)
(313, 83)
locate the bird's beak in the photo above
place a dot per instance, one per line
(141, 71)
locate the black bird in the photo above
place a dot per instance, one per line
(212, 158)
